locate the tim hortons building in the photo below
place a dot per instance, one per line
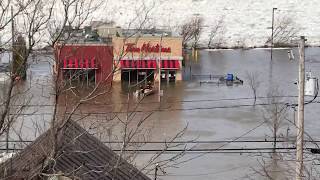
(139, 58)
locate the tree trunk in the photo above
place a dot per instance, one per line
(255, 97)
(274, 137)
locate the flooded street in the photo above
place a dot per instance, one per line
(216, 117)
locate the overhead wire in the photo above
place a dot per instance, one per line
(235, 139)
(171, 101)
(199, 151)
(184, 142)
(168, 109)
(203, 174)
(202, 100)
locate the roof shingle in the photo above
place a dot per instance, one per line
(79, 154)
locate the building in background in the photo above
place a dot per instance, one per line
(106, 30)
(137, 58)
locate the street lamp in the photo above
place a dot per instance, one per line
(273, 10)
(159, 69)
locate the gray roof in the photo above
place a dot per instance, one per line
(147, 32)
(79, 154)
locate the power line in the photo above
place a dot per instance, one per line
(167, 102)
(199, 151)
(187, 142)
(242, 135)
(165, 109)
(204, 174)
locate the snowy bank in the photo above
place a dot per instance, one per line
(246, 21)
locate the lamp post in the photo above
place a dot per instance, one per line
(273, 10)
(159, 69)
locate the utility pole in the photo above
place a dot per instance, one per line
(300, 120)
(272, 27)
(159, 69)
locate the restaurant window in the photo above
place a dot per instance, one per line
(172, 76)
(163, 75)
(86, 76)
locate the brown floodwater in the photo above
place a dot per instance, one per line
(207, 112)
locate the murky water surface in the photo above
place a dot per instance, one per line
(210, 112)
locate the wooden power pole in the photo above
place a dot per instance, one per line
(159, 70)
(300, 121)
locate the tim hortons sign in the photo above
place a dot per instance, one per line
(147, 48)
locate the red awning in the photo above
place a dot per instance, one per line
(170, 64)
(70, 65)
(122, 64)
(64, 63)
(149, 64)
(74, 63)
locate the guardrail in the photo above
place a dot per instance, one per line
(207, 76)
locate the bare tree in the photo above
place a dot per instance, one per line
(281, 164)
(32, 19)
(191, 31)
(274, 166)
(186, 33)
(216, 36)
(275, 113)
(284, 30)
(41, 26)
(254, 83)
(128, 129)
(15, 70)
(136, 130)
(9, 9)
(198, 26)
(75, 13)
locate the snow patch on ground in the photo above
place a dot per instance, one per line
(247, 21)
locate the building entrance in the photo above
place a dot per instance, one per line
(168, 75)
(137, 75)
